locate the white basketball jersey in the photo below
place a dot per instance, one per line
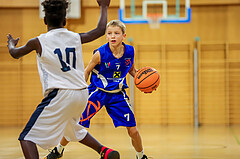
(61, 62)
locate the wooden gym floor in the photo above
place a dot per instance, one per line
(160, 142)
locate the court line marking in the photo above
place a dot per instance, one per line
(235, 136)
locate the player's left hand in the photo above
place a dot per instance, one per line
(148, 92)
(11, 41)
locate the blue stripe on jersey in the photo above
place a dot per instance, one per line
(45, 102)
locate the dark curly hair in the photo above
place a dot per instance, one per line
(55, 11)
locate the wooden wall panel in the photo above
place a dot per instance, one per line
(172, 103)
(179, 83)
(168, 49)
(147, 106)
(212, 90)
(10, 89)
(219, 83)
(11, 22)
(234, 83)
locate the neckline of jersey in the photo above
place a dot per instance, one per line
(112, 53)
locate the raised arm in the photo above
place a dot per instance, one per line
(17, 52)
(96, 59)
(101, 26)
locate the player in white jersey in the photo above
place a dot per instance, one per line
(61, 70)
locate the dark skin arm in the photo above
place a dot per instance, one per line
(32, 44)
(101, 26)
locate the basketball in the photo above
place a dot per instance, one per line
(147, 79)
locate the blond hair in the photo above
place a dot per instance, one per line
(117, 23)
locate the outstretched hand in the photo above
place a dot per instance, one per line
(103, 3)
(11, 41)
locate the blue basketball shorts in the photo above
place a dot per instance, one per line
(116, 104)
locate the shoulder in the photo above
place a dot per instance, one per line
(128, 47)
(68, 34)
(35, 43)
(96, 57)
(102, 49)
(71, 32)
(41, 36)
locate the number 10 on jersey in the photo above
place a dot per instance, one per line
(68, 51)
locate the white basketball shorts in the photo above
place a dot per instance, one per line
(56, 116)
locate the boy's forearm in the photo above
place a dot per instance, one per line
(86, 75)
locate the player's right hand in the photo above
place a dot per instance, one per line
(103, 3)
(11, 41)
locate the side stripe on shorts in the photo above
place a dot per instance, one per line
(45, 102)
(126, 99)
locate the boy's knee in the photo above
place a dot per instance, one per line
(133, 132)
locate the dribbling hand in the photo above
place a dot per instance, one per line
(148, 92)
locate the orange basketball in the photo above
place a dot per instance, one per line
(147, 79)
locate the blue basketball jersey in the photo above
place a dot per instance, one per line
(110, 74)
